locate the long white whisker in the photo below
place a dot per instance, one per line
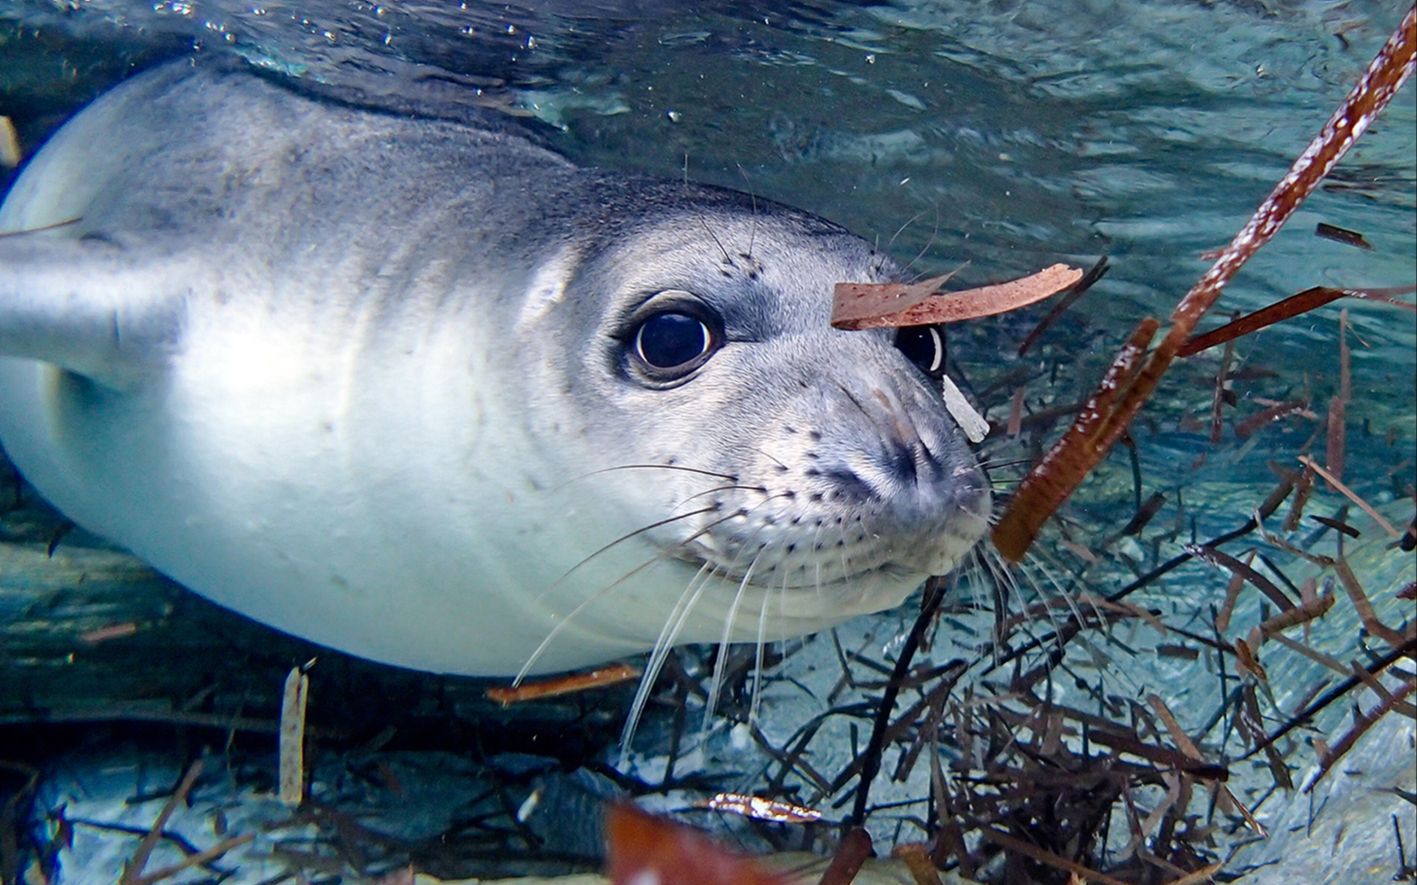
(1003, 578)
(1036, 563)
(713, 491)
(582, 476)
(620, 540)
(601, 594)
(900, 230)
(720, 666)
(662, 646)
(580, 607)
(756, 698)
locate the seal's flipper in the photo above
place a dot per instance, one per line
(94, 305)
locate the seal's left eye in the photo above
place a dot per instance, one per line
(673, 343)
(924, 346)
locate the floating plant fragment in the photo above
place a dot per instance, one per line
(1112, 407)
(858, 306)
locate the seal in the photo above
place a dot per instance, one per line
(424, 391)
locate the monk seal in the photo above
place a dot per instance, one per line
(424, 391)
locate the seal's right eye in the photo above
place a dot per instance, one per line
(673, 344)
(924, 346)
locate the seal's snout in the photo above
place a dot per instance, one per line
(896, 446)
(905, 459)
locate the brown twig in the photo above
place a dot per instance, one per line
(133, 870)
(1294, 305)
(1351, 495)
(1082, 448)
(880, 305)
(1055, 861)
(1362, 721)
(848, 858)
(201, 857)
(1070, 297)
(559, 686)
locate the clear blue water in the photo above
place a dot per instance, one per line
(1006, 134)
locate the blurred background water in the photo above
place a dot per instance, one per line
(1005, 134)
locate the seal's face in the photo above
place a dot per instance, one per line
(804, 473)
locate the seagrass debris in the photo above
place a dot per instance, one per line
(1129, 383)
(1343, 235)
(10, 153)
(857, 306)
(567, 684)
(290, 747)
(1288, 308)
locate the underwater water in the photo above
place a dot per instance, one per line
(1001, 136)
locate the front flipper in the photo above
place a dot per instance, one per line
(99, 306)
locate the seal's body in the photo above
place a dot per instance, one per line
(424, 391)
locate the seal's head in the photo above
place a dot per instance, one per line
(797, 474)
(543, 418)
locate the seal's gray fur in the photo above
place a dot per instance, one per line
(368, 378)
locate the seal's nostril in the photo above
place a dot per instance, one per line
(901, 462)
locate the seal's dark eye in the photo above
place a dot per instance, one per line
(924, 346)
(673, 343)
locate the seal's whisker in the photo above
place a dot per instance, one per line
(727, 259)
(972, 571)
(1036, 559)
(43, 228)
(995, 464)
(742, 511)
(983, 578)
(565, 622)
(846, 572)
(603, 592)
(715, 490)
(756, 697)
(1025, 588)
(620, 540)
(720, 667)
(662, 646)
(1027, 569)
(582, 476)
(926, 248)
(1005, 585)
(770, 457)
(817, 560)
(753, 198)
(900, 230)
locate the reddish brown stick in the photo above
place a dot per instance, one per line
(1287, 308)
(1054, 478)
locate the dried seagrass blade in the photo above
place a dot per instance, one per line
(858, 306)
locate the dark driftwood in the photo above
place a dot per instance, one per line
(90, 634)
